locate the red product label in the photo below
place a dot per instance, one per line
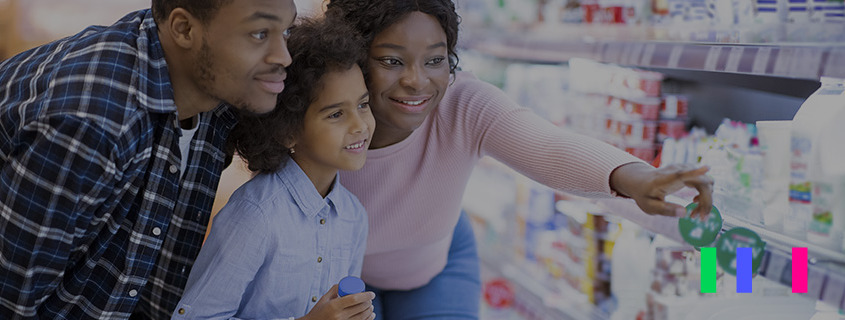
(671, 129)
(498, 293)
(651, 87)
(647, 111)
(644, 153)
(591, 12)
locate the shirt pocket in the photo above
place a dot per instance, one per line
(340, 263)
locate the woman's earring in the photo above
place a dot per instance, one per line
(292, 151)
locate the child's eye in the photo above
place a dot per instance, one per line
(335, 115)
(261, 35)
(286, 33)
(364, 105)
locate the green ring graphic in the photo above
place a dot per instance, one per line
(700, 233)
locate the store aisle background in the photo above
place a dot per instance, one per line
(547, 255)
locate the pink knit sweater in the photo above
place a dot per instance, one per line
(412, 190)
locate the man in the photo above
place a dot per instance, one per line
(111, 151)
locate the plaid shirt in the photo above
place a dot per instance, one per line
(94, 219)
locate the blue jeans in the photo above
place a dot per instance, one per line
(455, 293)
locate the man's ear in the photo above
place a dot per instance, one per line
(184, 28)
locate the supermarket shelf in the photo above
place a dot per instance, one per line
(826, 270)
(562, 302)
(786, 60)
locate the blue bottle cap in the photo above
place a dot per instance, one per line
(350, 285)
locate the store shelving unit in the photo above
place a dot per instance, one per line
(552, 299)
(826, 269)
(789, 60)
(780, 65)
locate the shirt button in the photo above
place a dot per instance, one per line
(133, 293)
(174, 168)
(314, 299)
(181, 310)
(319, 259)
(156, 231)
(322, 221)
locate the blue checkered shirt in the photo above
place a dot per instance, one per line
(94, 219)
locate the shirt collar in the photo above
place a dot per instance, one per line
(303, 192)
(154, 77)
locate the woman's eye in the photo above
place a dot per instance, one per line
(259, 35)
(335, 115)
(436, 61)
(364, 105)
(391, 61)
(286, 33)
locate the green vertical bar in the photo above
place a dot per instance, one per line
(708, 270)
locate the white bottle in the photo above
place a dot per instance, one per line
(774, 139)
(632, 261)
(827, 226)
(816, 113)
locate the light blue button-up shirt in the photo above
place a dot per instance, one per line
(275, 248)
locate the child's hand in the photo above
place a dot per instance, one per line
(357, 306)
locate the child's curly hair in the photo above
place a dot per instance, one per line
(317, 47)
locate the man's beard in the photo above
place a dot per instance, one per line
(204, 64)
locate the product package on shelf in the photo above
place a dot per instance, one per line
(817, 177)
(629, 105)
(554, 240)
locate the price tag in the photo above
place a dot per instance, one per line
(761, 60)
(712, 58)
(636, 52)
(806, 63)
(777, 266)
(782, 64)
(835, 66)
(612, 53)
(834, 289)
(815, 278)
(733, 59)
(648, 53)
(625, 53)
(675, 56)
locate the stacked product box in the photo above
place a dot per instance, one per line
(627, 105)
(579, 256)
(675, 283)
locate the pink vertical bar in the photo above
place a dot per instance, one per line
(799, 270)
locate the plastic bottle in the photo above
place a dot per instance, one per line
(822, 111)
(350, 285)
(828, 199)
(627, 281)
(774, 144)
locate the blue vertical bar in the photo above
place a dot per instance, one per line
(743, 270)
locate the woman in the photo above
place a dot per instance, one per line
(432, 126)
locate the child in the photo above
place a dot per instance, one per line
(292, 232)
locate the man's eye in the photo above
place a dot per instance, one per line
(259, 35)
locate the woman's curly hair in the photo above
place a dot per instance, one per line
(317, 47)
(371, 17)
